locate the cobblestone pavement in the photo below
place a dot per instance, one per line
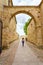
(8, 55)
(27, 56)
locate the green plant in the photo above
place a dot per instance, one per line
(26, 25)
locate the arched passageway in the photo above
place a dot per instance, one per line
(33, 24)
(34, 11)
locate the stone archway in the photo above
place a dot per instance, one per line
(34, 16)
(25, 12)
(10, 11)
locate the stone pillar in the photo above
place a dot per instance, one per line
(5, 32)
(38, 29)
(39, 36)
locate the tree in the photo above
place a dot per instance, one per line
(26, 25)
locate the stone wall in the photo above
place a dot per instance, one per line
(9, 33)
(9, 30)
(9, 27)
(3, 2)
(31, 36)
(36, 38)
(5, 30)
(12, 30)
(34, 30)
(34, 33)
(34, 12)
(41, 13)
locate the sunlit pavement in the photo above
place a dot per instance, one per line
(7, 56)
(25, 56)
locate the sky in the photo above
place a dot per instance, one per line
(22, 18)
(26, 2)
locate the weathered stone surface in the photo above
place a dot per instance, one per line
(41, 14)
(5, 38)
(7, 14)
(31, 32)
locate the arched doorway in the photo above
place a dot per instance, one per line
(0, 36)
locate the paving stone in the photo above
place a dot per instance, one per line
(25, 56)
